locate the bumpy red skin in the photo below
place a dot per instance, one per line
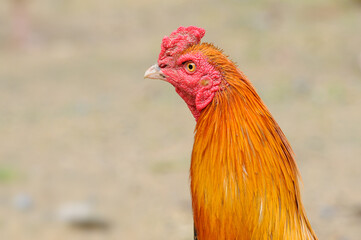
(197, 88)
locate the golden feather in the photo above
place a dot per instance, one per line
(244, 179)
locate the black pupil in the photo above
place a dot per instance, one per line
(190, 66)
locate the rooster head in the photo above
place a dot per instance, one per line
(190, 66)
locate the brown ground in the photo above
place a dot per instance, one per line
(78, 123)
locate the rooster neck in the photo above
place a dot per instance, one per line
(190, 101)
(244, 180)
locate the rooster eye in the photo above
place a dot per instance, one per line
(191, 67)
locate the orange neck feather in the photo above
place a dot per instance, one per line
(244, 180)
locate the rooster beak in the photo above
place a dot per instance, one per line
(154, 72)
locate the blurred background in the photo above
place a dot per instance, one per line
(91, 150)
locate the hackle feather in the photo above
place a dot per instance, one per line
(244, 179)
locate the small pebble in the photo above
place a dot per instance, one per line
(328, 212)
(23, 202)
(81, 216)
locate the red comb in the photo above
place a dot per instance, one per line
(179, 40)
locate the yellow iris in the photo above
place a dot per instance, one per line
(191, 67)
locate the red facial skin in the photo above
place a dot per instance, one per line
(197, 88)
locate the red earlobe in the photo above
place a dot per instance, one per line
(208, 87)
(203, 98)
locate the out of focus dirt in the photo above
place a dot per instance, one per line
(80, 125)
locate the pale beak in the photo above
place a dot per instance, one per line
(154, 72)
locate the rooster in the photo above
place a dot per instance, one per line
(244, 178)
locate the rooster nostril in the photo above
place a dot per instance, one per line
(162, 65)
